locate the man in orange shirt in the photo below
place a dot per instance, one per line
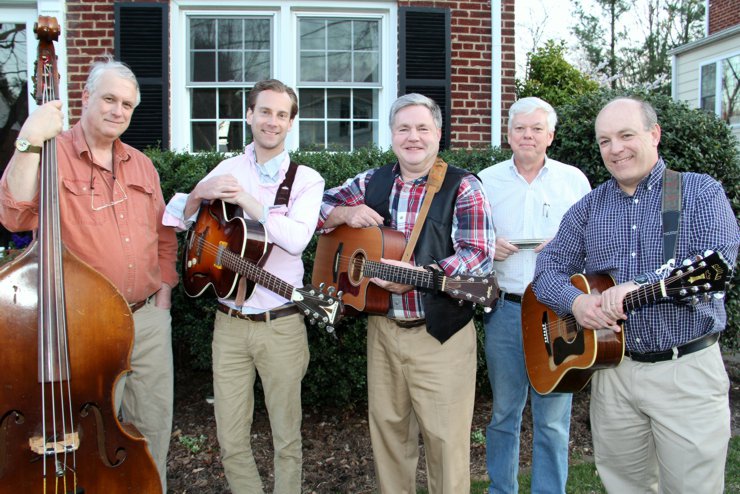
(111, 209)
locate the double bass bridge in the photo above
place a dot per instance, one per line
(69, 443)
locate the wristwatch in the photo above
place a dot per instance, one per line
(641, 279)
(24, 146)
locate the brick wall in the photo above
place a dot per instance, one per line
(89, 30)
(471, 66)
(723, 14)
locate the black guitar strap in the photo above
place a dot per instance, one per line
(281, 199)
(671, 210)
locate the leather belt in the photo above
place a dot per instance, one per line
(675, 352)
(137, 305)
(409, 323)
(511, 297)
(261, 317)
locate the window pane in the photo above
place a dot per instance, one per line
(230, 34)
(257, 35)
(366, 67)
(204, 136)
(258, 66)
(311, 103)
(311, 136)
(203, 67)
(230, 136)
(338, 136)
(230, 103)
(339, 35)
(230, 66)
(366, 35)
(364, 104)
(203, 33)
(313, 66)
(364, 134)
(203, 103)
(338, 103)
(313, 34)
(708, 84)
(731, 90)
(340, 67)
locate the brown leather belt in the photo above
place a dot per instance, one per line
(137, 305)
(680, 351)
(262, 317)
(409, 323)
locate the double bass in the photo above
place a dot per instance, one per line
(66, 335)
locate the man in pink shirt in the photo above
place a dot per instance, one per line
(111, 208)
(267, 334)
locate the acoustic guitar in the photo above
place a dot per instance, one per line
(561, 355)
(221, 247)
(346, 259)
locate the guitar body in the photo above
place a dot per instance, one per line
(560, 355)
(339, 256)
(218, 225)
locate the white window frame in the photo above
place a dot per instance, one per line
(284, 51)
(718, 64)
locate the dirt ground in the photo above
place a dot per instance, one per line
(337, 457)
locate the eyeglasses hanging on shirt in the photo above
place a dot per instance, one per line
(114, 201)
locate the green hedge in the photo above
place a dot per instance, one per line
(692, 140)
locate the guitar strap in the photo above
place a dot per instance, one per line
(434, 183)
(671, 211)
(281, 199)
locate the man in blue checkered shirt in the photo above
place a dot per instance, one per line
(660, 420)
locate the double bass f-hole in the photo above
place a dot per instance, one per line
(67, 334)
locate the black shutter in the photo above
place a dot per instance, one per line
(141, 41)
(424, 58)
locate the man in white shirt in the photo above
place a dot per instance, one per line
(529, 194)
(267, 334)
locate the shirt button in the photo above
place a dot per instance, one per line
(127, 239)
(637, 340)
(636, 201)
(131, 266)
(634, 227)
(633, 254)
(129, 290)
(121, 215)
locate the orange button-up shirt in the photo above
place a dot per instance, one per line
(126, 242)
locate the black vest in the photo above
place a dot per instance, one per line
(444, 315)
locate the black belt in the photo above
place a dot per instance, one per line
(409, 323)
(676, 352)
(138, 305)
(261, 317)
(511, 297)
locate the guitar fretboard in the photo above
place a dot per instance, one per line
(397, 274)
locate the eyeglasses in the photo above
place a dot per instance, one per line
(113, 189)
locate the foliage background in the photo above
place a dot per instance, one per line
(692, 141)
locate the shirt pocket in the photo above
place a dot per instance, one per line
(79, 202)
(143, 204)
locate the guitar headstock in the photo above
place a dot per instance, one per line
(482, 290)
(323, 307)
(708, 274)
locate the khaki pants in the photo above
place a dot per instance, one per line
(416, 384)
(278, 351)
(662, 427)
(145, 395)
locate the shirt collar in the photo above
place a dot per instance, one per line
(81, 148)
(269, 171)
(650, 182)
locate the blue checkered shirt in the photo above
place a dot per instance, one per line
(612, 233)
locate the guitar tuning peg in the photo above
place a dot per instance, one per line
(694, 300)
(719, 295)
(322, 285)
(339, 294)
(708, 252)
(706, 297)
(687, 262)
(312, 321)
(306, 312)
(332, 289)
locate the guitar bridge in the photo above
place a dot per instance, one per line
(222, 247)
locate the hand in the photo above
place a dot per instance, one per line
(163, 298)
(360, 216)
(225, 187)
(395, 287)
(588, 312)
(612, 300)
(43, 124)
(539, 248)
(504, 249)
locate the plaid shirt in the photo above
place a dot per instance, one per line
(472, 229)
(611, 232)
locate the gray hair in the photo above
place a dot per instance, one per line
(119, 68)
(649, 117)
(531, 104)
(413, 99)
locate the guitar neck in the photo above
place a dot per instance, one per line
(397, 274)
(644, 295)
(254, 273)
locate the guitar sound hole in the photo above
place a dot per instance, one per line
(354, 270)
